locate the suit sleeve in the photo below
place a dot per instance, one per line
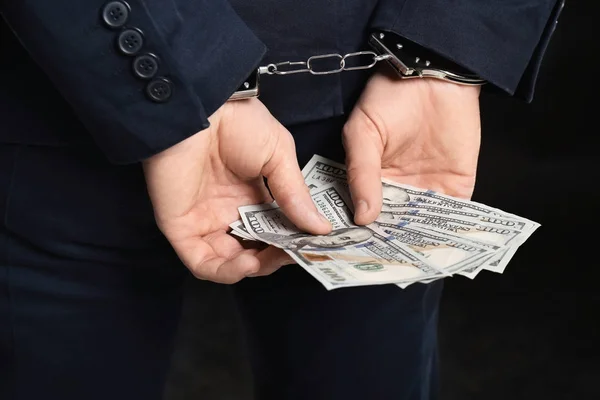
(501, 41)
(142, 75)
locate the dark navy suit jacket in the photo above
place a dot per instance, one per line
(64, 77)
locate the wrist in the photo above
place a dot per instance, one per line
(433, 86)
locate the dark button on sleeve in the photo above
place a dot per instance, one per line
(130, 41)
(115, 14)
(145, 66)
(159, 90)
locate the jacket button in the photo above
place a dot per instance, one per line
(159, 90)
(115, 14)
(145, 66)
(130, 41)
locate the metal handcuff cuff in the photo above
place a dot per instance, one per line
(408, 59)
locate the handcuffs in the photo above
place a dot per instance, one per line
(408, 60)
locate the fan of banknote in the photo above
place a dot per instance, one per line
(420, 235)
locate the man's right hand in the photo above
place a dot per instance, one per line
(197, 186)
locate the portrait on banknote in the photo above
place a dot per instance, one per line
(394, 194)
(338, 238)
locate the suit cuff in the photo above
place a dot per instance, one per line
(503, 44)
(196, 55)
(208, 52)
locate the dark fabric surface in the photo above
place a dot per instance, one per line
(90, 292)
(90, 296)
(206, 49)
(479, 35)
(530, 333)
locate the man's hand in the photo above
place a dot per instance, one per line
(422, 132)
(197, 186)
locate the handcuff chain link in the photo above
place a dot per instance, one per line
(308, 66)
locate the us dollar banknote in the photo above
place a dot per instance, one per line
(468, 229)
(350, 255)
(395, 196)
(239, 229)
(417, 208)
(420, 235)
(410, 194)
(440, 250)
(320, 171)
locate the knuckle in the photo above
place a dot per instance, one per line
(291, 143)
(355, 187)
(353, 173)
(198, 274)
(361, 124)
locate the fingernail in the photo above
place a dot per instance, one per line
(362, 207)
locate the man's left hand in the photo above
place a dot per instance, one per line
(421, 132)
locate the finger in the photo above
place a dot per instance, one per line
(231, 271)
(228, 271)
(288, 188)
(252, 244)
(204, 262)
(271, 259)
(223, 244)
(363, 162)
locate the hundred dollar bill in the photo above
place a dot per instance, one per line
(469, 271)
(350, 255)
(241, 235)
(505, 227)
(238, 228)
(495, 233)
(396, 195)
(468, 229)
(440, 250)
(329, 200)
(476, 233)
(417, 208)
(497, 263)
(320, 171)
(495, 259)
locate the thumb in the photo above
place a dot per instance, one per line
(287, 185)
(363, 146)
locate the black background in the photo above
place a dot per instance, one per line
(530, 333)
